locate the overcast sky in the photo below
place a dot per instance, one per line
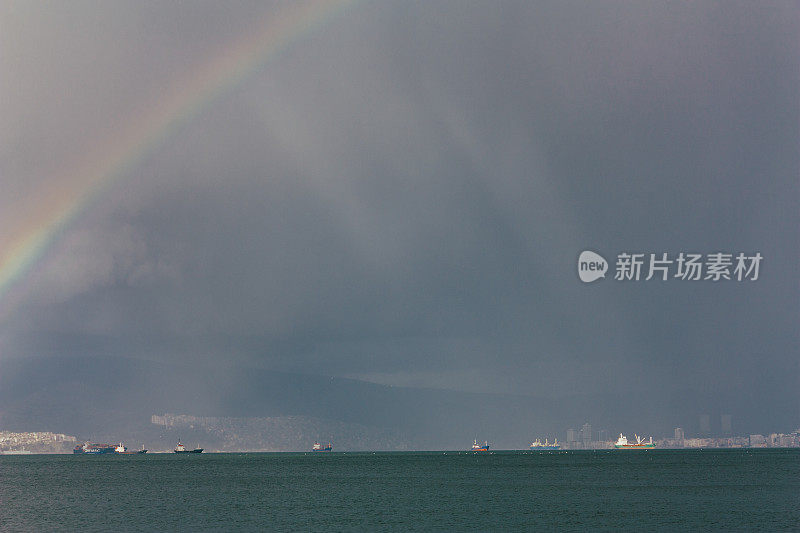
(401, 194)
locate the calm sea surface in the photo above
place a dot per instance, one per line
(640, 490)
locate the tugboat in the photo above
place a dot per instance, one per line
(123, 450)
(317, 447)
(480, 447)
(537, 445)
(640, 444)
(180, 448)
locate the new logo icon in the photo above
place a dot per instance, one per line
(591, 266)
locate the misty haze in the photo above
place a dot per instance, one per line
(257, 225)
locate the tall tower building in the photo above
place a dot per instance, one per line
(679, 436)
(725, 422)
(572, 435)
(705, 425)
(586, 434)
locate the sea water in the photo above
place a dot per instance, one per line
(639, 490)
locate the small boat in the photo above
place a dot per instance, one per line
(123, 450)
(480, 447)
(317, 447)
(640, 444)
(180, 448)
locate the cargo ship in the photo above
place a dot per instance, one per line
(537, 445)
(640, 444)
(93, 448)
(480, 447)
(123, 450)
(317, 447)
(180, 448)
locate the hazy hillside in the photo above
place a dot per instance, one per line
(117, 398)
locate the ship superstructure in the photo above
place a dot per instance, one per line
(538, 445)
(640, 444)
(480, 447)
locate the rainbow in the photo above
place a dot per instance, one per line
(80, 185)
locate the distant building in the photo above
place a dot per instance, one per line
(679, 435)
(36, 442)
(572, 435)
(705, 424)
(725, 423)
(602, 435)
(586, 434)
(758, 441)
(780, 440)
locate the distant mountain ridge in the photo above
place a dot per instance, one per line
(95, 396)
(283, 433)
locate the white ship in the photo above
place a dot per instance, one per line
(640, 444)
(538, 445)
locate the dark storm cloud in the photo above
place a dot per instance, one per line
(402, 195)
